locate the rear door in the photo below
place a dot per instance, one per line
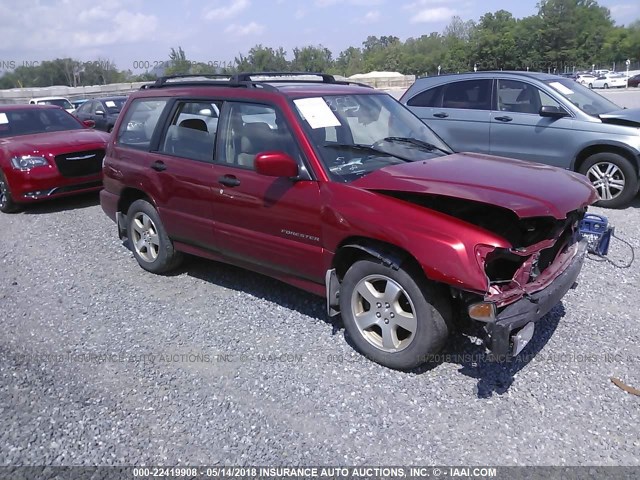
(266, 221)
(518, 130)
(182, 167)
(177, 178)
(459, 112)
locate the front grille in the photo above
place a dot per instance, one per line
(80, 164)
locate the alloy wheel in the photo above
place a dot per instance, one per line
(607, 179)
(145, 237)
(384, 313)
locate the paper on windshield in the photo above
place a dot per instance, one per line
(561, 88)
(317, 112)
(110, 103)
(3, 118)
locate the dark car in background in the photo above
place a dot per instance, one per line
(102, 111)
(634, 81)
(536, 117)
(45, 153)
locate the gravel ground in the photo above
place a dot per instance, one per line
(104, 363)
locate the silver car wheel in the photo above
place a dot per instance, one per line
(384, 313)
(145, 237)
(607, 179)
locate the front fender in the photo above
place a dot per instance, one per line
(444, 246)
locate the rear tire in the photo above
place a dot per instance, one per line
(613, 176)
(606, 86)
(394, 317)
(7, 205)
(150, 243)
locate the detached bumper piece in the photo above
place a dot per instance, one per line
(515, 324)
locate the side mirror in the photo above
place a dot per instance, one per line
(552, 112)
(100, 112)
(89, 123)
(276, 164)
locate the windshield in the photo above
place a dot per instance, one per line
(582, 97)
(58, 102)
(114, 105)
(358, 134)
(27, 122)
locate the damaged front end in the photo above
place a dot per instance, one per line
(526, 281)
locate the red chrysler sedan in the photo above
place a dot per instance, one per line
(46, 153)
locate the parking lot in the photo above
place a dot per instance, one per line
(103, 363)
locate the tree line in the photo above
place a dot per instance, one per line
(565, 35)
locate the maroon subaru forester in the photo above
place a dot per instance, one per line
(339, 190)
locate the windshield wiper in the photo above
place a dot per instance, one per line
(364, 148)
(429, 147)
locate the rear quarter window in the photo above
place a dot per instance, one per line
(140, 122)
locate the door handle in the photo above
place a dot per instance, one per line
(441, 115)
(504, 119)
(229, 181)
(158, 166)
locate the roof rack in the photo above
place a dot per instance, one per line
(196, 79)
(284, 77)
(246, 80)
(289, 77)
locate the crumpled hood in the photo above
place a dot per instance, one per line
(528, 189)
(627, 116)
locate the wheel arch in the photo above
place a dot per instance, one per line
(127, 197)
(605, 148)
(354, 249)
(130, 195)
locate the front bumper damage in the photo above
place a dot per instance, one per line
(515, 323)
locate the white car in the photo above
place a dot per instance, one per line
(586, 79)
(58, 101)
(610, 80)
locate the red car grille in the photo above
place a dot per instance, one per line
(80, 164)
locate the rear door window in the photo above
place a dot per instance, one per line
(468, 94)
(192, 131)
(139, 124)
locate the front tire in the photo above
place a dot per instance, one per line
(613, 177)
(606, 86)
(150, 243)
(394, 317)
(7, 205)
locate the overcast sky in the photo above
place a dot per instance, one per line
(134, 33)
